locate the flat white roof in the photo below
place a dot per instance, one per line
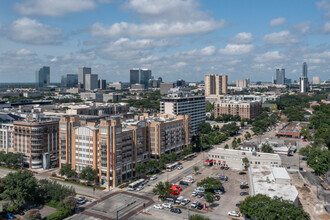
(263, 182)
(280, 172)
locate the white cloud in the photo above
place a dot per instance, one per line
(277, 22)
(242, 38)
(148, 59)
(326, 27)
(53, 8)
(142, 44)
(269, 56)
(22, 54)
(206, 51)
(155, 30)
(236, 49)
(282, 37)
(302, 27)
(324, 5)
(26, 30)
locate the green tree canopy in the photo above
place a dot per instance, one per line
(162, 189)
(88, 173)
(263, 207)
(230, 129)
(267, 148)
(204, 128)
(210, 184)
(198, 217)
(51, 190)
(66, 170)
(19, 187)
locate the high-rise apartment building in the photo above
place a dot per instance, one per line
(304, 79)
(140, 76)
(280, 76)
(43, 77)
(244, 109)
(69, 81)
(91, 81)
(180, 102)
(242, 83)
(215, 84)
(82, 71)
(114, 146)
(316, 80)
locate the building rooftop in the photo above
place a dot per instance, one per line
(264, 182)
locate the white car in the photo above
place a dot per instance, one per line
(234, 213)
(158, 206)
(180, 167)
(153, 177)
(167, 205)
(200, 189)
(139, 188)
(185, 202)
(194, 194)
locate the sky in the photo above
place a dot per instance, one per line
(176, 39)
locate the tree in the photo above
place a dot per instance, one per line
(68, 203)
(32, 214)
(209, 197)
(238, 140)
(152, 165)
(88, 173)
(248, 135)
(173, 156)
(66, 170)
(204, 128)
(162, 189)
(198, 217)
(264, 207)
(210, 184)
(230, 129)
(246, 162)
(51, 190)
(226, 146)
(267, 148)
(140, 168)
(196, 168)
(19, 187)
(234, 144)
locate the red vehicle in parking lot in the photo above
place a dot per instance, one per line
(175, 190)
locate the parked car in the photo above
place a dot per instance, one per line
(167, 205)
(184, 183)
(179, 199)
(238, 204)
(199, 206)
(234, 213)
(200, 195)
(200, 189)
(158, 206)
(81, 200)
(170, 200)
(304, 158)
(244, 193)
(194, 193)
(244, 186)
(185, 202)
(242, 173)
(217, 191)
(223, 178)
(194, 204)
(216, 197)
(180, 167)
(176, 210)
(139, 188)
(153, 177)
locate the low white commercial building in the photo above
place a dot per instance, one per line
(234, 158)
(272, 181)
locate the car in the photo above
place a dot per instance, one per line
(158, 206)
(153, 177)
(200, 195)
(234, 213)
(81, 200)
(179, 199)
(194, 204)
(304, 140)
(139, 188)
(304, 158)
(176, 210)
(200, 189)
(223, 178)
(216, 197)
(199, 206)
(170, 200)
(242, 173)
(238, 204)
(167, 205)
(184, 183)
(217, 191)
(244, 193)
(194, 193)
(180, 167)
(185, 202)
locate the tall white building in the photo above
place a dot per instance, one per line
(181, 102)
(242, 83)
(303, 79)
(82, 71)
(91, 81)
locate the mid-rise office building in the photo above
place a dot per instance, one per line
(244, 109)
(165, 87)
(114, 147)
(91, 81)
(180, 102)
(280, 76)
(180, 83)
(43, 77)
(102, 84)
(69, 81)
(215, 85)
(140, 76)
(82, 71)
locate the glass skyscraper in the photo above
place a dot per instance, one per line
(43, 77)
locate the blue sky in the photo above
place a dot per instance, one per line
(175, 38)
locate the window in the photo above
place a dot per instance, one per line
(103, 130)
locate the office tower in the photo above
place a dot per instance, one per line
(91, 81)
(140, 76)
(82, 71)
(102, 84)
(215, 84)
(244, 109)
(287, 81)
(180, 102)
(180, 83)
(303, 79)
(304, 69)
(316, 80)
(165, 87)
(43, 77)
(69, 81)
(242, 83)
(280, 76)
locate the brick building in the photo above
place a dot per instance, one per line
(244, 109)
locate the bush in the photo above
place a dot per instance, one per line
(52, 203)
(68, 203)
(32, 214)
(53, 174)
(11, 208)
(59, 215)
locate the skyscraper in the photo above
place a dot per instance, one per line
(303, 79)
(304, 69)
(280, 76)
(43, 77)
(215, 84)
(82, 71)
(91, 81)
(69, 80)
(140, 76)
(102, 84)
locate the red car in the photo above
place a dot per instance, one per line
(304, 140)
(175, 190)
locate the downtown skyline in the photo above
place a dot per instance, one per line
(174, 38)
